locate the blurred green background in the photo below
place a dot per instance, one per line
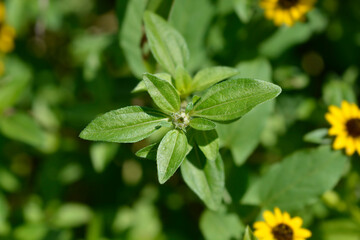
(74, 60)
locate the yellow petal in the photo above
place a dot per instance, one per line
(296, 222)
(333, 119)
(302, 233)
(261, 225)
(262, 233)
(270, 13)
(340, 142)
(269, 238)
(346, 109)
(357, 145)
(288, 19)
(278, 215)
(279, 17)
(354, 110)
(286, 218)
(268, 4)
(350, 146)
(334, 110)
(295, 13)
(337, 130)
(270, 218)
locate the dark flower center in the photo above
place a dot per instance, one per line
(353, 127)
(283, 232)
(286, 4)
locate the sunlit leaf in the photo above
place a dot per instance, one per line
(209, 76)
(167, 45)
(182, 80)
(171, 153)
(231, 99)
(163, 93)
(202, 124)
(129, 124)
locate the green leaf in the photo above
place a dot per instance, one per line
(171, 153)
(286, 37)
(13, 84)
(248, 234)
(220, 226)
(10, 92)
(189, 107)
(167, 45)
(318, 136)
(209, 76)
(336, 91)
(183, 15)
(131, 34)
(87, 50)
(31, 231)
(244, 9)
(208, 142)
(22, 127)
(163, 93)
(101, 154)
(205, 178)
(4, 208)
(340, 228)
(95, 228)
(72, 215)
(231, 99)
(8, 181)
(202, 124)
(148, 152)
(182, 80)
(243, 136)
(300, 178)
(125, 125)
(141, 87)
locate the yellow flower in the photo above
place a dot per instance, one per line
(286, 11)
(345, 125)
(2, 12)
(280, 226)
(7, 35)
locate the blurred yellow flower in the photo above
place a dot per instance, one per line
(7, 35)
(345, 125)
(286, 11)
(280, 226)
(2, 12)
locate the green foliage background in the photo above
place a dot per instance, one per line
(77, 59)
